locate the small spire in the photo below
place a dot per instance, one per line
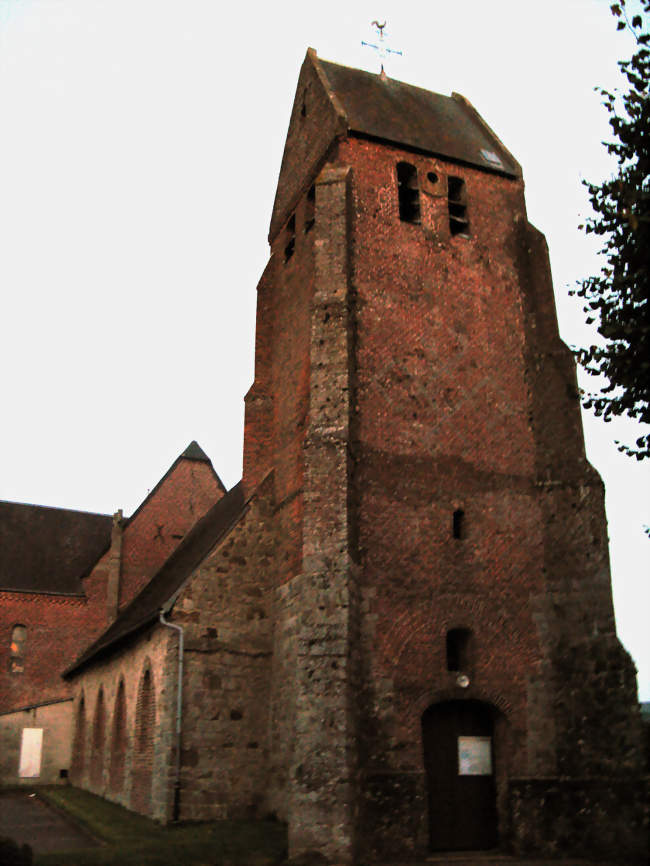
(195, 452)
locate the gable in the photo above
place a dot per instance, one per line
(185, 493)
(316, 121)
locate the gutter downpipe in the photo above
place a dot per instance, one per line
(179, 715)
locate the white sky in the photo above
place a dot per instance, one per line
(140, 144)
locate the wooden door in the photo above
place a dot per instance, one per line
(458, 746)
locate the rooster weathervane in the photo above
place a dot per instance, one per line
(382, 49)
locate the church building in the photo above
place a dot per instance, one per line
(396, 633)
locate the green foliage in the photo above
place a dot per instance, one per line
(617, 299)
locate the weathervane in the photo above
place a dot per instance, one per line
(382, 49)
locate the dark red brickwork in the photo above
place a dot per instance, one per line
(160, 523)
(435, 357)
(56, 630)
(274, 435)
(60, 627)
(315, 123)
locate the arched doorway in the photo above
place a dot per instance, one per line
(459, 761)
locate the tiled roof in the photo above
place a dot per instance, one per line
(48, 550)
(390, 110)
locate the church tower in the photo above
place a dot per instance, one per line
(446, 673)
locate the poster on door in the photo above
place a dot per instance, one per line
(475, 756)
(30, 753)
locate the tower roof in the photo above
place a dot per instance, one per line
(390, 110)
(334, 102)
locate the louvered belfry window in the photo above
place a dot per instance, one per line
(408, 192)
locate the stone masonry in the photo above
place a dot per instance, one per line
(398, 628)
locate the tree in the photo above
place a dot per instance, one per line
(618, 298)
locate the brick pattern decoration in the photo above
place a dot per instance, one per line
(118, 742)
(143, 745)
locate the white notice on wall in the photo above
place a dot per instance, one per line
(30, 753)
(474, 756)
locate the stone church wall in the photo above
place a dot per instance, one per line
(226, 612)
(146, 750)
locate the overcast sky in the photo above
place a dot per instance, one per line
(139, 151)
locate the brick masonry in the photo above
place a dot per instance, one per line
(414, 465)
(422, 374)
(59, 627)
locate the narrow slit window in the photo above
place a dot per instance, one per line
(457, 201)
(291, 238)
(458, 524)
(458, 643)
(310, 209)
(408, 192)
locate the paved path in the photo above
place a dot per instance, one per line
(29, 820)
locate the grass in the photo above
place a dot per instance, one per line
(133, 840)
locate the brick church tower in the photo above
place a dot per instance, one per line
(446, 673)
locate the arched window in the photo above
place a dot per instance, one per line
(408, 192)
(99, 736)
(17, 648)
(143, 746)
(118, 742)
(79, 744)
